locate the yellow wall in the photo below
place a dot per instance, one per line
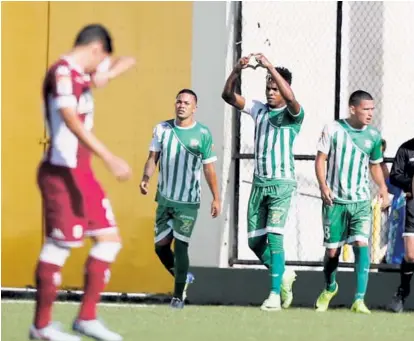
(159, 36)
(24, 50)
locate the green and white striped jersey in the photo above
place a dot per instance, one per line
(182, 153)
(349, 153)
(275, 133)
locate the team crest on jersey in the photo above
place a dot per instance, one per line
(203, 131)
(373, 132)
(368, 143)
(194, 143)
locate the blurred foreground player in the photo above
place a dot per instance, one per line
(277, 123)
(74, 202)
(183, 147)
(350, 147)
(402, 176)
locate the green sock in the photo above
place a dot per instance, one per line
(329, 269)
(278, 261)
(261, 249)
(181, 267)
(362, 264)
(166, 257)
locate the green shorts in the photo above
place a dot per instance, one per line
(178, 221)
(346, 223)
(268, 209)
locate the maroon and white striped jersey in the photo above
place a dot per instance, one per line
(66, 85)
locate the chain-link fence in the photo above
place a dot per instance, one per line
(332, 49)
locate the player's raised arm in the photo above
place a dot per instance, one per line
(111, 68)
(283, 86)
(229, 95)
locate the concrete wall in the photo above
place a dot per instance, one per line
(213, 49)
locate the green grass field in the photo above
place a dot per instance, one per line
(203, 323)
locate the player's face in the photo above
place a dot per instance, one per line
(97, 55)
(273, 96)
(185, 106)
(364, 111)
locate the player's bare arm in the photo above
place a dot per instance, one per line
(229, 95)
(116, 67)
(211, 178)
(118, 167)
(378, 177)
(326, 193)
(283, 86)
(149, 170)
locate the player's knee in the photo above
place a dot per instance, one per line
(252, 243)
(160, 248)
(333, 253)
(105, 251)
(163, 242)
(108, 238)
(409, 255)
(359, 243)
(54, 254)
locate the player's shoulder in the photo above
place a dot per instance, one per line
(374, 133)
(203, 129)
(164, 125)
(333, 126)
(258, 105)
(60, 67)
(408, 144)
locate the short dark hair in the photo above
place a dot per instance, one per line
(187, 91)
(284, 72)
(358, 96)
(95, 32)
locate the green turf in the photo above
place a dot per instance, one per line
(223, 323)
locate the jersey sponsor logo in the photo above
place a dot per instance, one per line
(279, 120)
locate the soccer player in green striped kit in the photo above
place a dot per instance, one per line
(277, 124)
(350, 147)
(183, 147)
